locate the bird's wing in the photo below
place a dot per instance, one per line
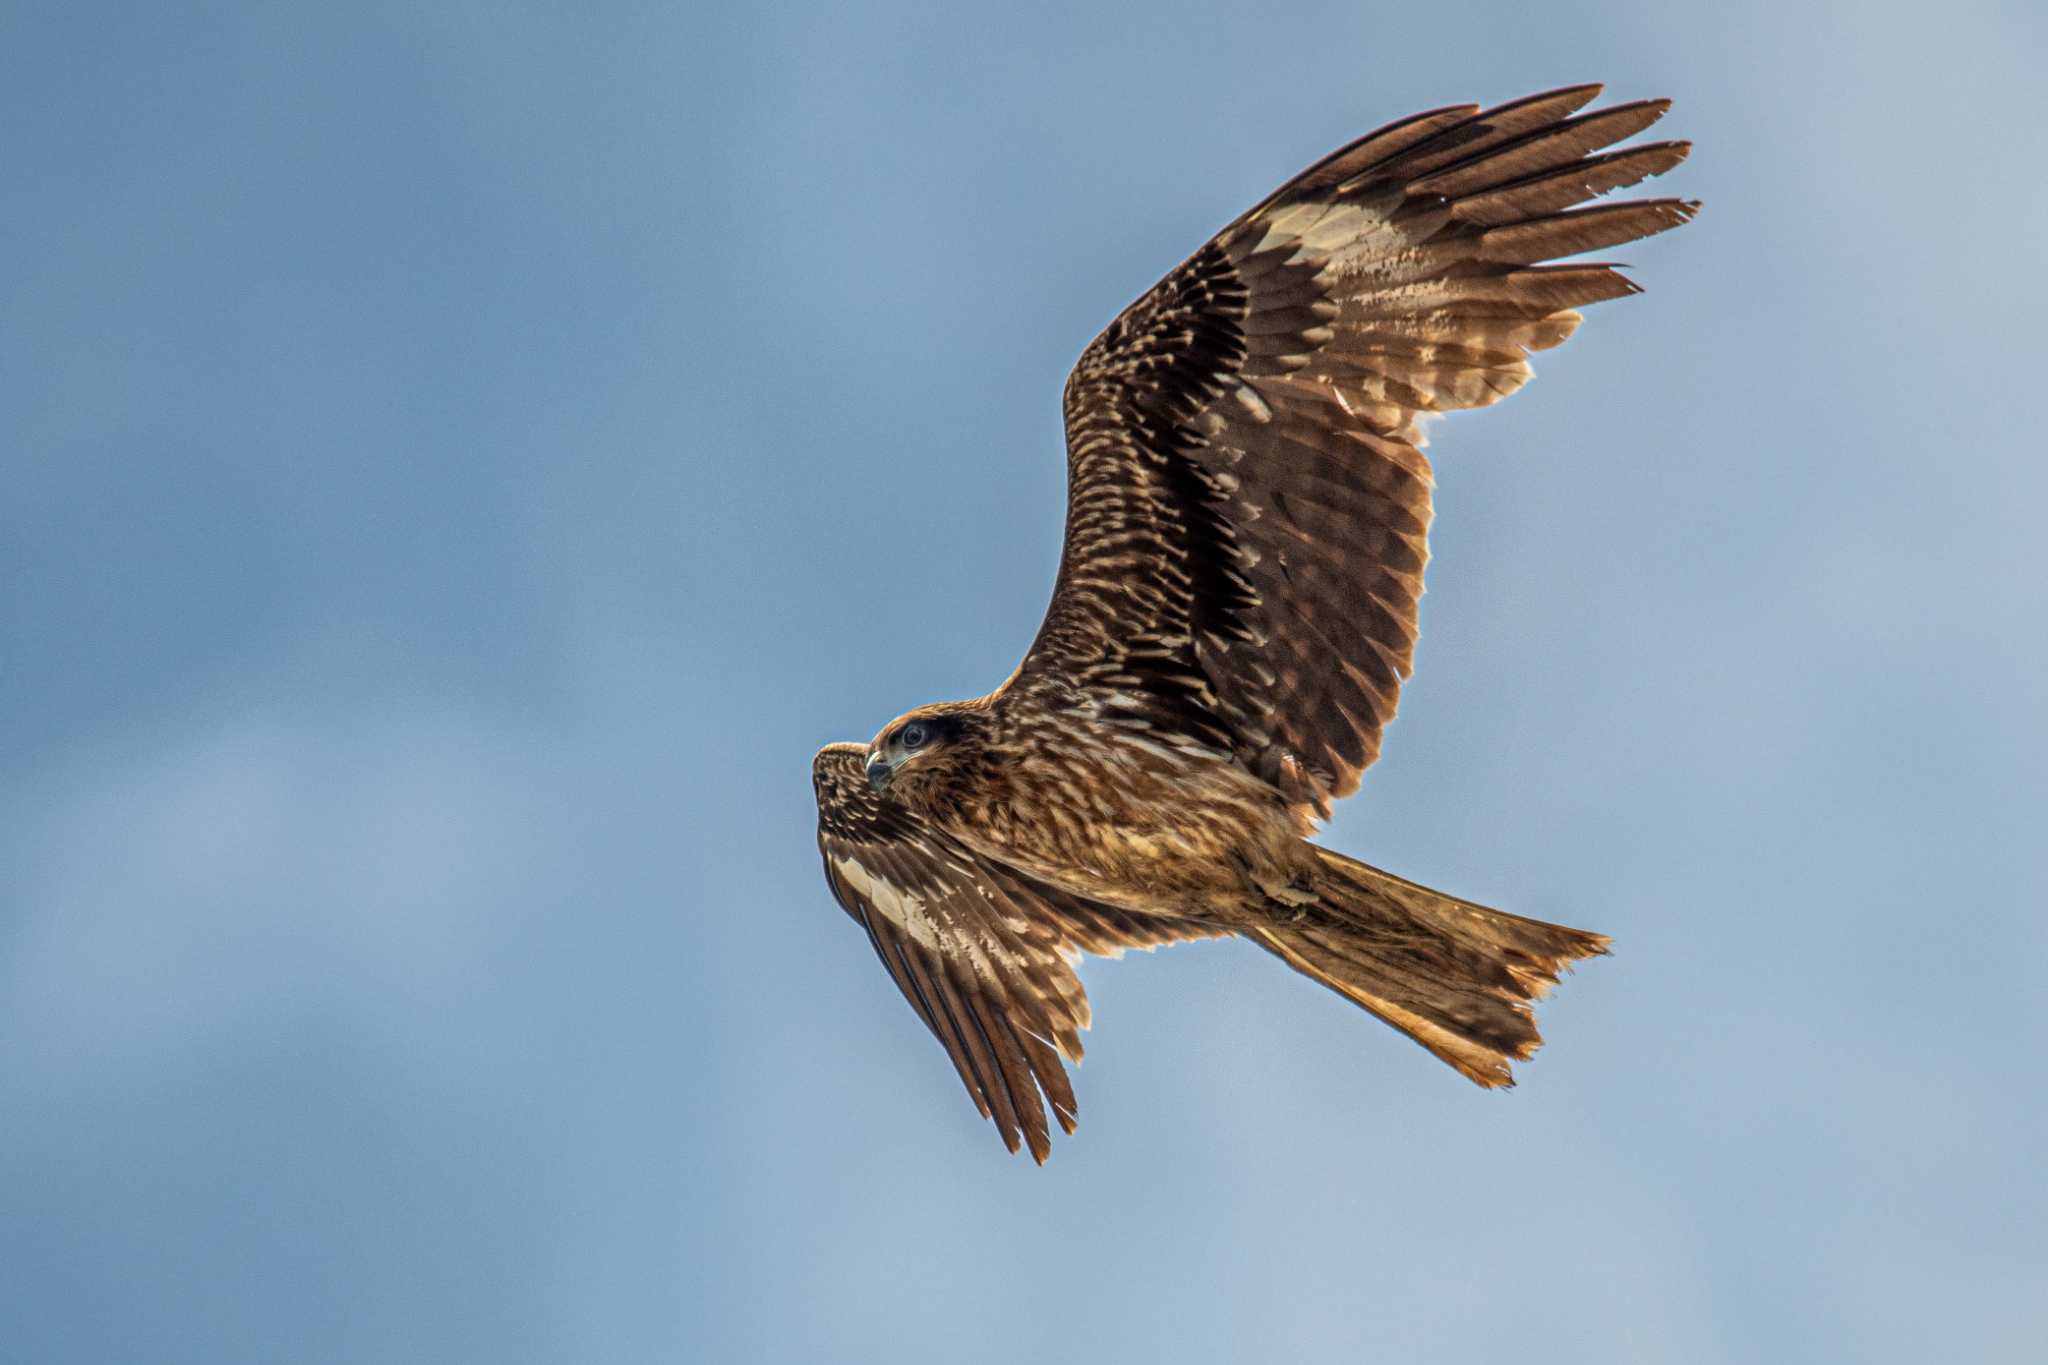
(1248, 505)
(983, 953)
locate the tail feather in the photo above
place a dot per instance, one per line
(1456, 977)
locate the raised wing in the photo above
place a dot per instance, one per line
(1248, 504)
(983, 953)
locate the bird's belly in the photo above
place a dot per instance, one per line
(1185, 843)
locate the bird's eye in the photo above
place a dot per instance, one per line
(914, 735)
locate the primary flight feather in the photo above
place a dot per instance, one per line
(1247, 516)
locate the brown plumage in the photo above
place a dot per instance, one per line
(1247, 515)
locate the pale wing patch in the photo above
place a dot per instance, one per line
(1330, 230)
(905, 909)
(984, 951)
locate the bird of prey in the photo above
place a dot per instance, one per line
(1235, 614)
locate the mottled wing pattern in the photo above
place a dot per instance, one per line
(1248, 503)
(984, 954)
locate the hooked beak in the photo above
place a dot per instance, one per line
(879, 771)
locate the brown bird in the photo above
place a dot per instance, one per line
(1247, 513)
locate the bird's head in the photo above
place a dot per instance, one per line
(919, 744)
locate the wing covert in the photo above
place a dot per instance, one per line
(983, 953)
(1248, 502)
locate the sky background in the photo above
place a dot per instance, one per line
(458, 461)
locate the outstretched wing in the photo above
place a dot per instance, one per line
(1248, 504)
(983, 953)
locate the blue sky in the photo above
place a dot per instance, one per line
(458, 461)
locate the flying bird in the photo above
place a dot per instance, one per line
(1235, 613)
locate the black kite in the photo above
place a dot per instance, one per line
(1247, 512)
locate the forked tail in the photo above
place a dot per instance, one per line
(1456, 977)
